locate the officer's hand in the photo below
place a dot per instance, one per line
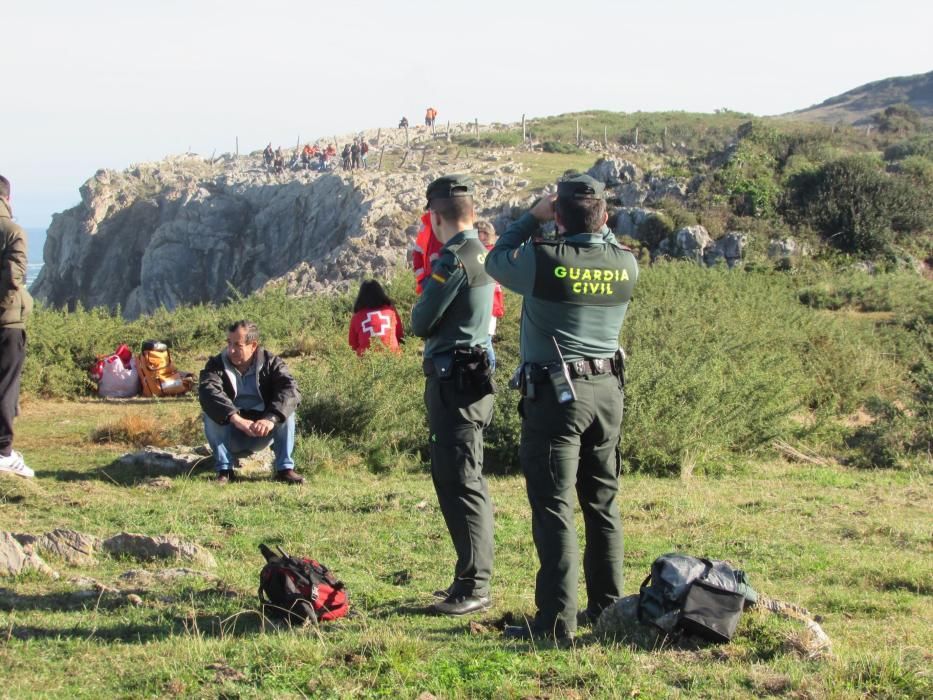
(544, 209)
(262, 427)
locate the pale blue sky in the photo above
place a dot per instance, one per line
(104, 83)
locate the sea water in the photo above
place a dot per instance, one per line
(35, 239)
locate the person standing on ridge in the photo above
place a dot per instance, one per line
(452, 315)
(576, 292)
(15, 306)
(364, 151)
(345, 156)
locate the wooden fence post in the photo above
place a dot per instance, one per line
(406, 136)
(578, 132)
(424, 153)
(404, 158)
(378, 136)
(524, 138)
(636, 135)
(606, 137)
(237, 146)
(476, 124)
(381, 153)
(448, 131)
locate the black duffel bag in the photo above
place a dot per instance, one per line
(704, 597)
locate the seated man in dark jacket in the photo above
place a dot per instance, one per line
(249, 400)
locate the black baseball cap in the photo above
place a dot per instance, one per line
(580, 187)
(449, 186)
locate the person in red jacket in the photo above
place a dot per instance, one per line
(426, 250)
(375, 317)
(487, 236)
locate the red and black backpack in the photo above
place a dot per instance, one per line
(299, 590)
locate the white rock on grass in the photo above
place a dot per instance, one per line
(146, 548)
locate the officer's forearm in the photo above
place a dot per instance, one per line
(518, 232)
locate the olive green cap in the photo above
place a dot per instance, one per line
(580, 187)
(450, 186)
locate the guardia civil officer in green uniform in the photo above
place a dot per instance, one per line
(576, 291)
(452, 315)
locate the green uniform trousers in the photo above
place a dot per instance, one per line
(457, 420)
(567, 447)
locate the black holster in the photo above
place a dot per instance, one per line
(472, 371)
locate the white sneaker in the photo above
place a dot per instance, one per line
(15, 465)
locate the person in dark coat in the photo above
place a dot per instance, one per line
(15, 306)
(249, 399)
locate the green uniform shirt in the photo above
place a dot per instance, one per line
(576, 290)
(455, 307)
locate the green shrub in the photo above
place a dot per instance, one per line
(852, 202)
(893, 437)
(919, 145)
(905, 292)
(680, 216)
(559, 147)
(897, 119)
(656, 228)
(749, 179)
(491, 139)
(704, 388)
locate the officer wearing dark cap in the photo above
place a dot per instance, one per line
(576, 291)
(452, 315)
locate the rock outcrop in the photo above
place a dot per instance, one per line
(146, 548)
(185, 230)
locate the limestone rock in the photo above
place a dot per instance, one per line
(14, 560)
(146, 548)
(664, 187)
(619, 622)
(12, 557)
(629, 220)
(612, 171)
(68, 545)
(632, 194)
(156, 460)
(782, 248)
(182, 231)
(729, 248)
(689, 242)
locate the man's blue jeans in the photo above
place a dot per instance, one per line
(227, 443)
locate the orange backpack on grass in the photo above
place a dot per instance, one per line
(157, 372)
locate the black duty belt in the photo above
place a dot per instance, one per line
(586, 367)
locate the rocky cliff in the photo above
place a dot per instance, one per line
(185, 230)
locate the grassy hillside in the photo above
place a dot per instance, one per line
(857, 106)
(791, 410)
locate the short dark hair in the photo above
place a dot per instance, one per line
(371, 296)
(581, 215)
(453, 208)
(252, 330)
(4, 187)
